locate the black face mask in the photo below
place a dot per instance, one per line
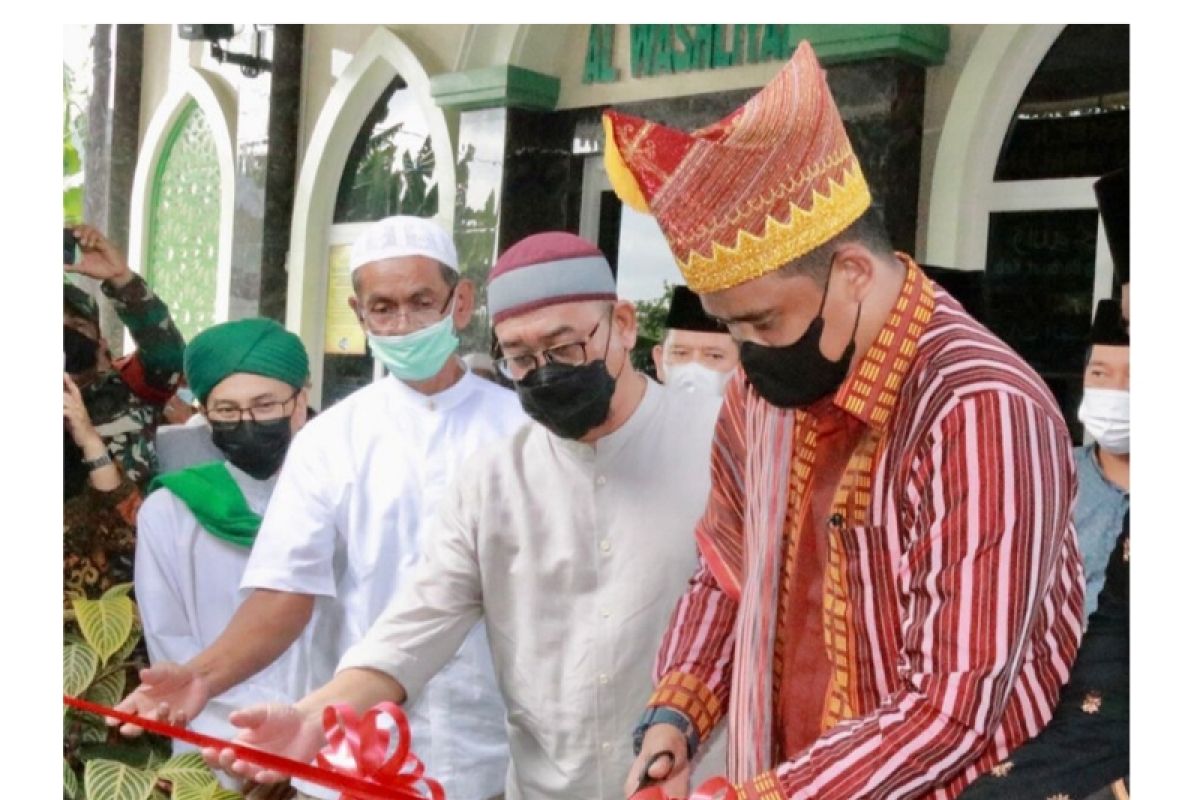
(256, 448)
(81, 351)
(570, 401)
(798, 375)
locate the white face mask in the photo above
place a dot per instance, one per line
(1105, 415)
(694, 377)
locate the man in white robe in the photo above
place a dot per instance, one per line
(570, 540)
(349, 512)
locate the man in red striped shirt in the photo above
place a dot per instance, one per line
(890, 591)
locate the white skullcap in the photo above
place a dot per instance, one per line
(396, 237)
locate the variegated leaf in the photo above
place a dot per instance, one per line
(119, 590)
(122, 655)
(89, 728)
(156, 759)
(112, 780)
(108, 690)
(79, 667)
(187, 769)
(93, 734)
(105, 623)
(213, 791)
(70, 781)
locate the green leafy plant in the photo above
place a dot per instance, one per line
(652, 318)
(100, 664)
(73, 118)
(475, 240)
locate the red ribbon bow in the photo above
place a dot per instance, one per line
(375, 775)
(362, 742)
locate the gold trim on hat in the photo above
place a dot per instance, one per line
(781, 243)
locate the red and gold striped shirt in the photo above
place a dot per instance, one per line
(935, 572)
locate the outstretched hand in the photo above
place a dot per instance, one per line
(275, 728)
(171, 693)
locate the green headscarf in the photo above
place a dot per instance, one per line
(257, 345)
(215, 500)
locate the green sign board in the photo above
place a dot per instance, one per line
(674, 49)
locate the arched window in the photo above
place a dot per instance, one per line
(390, 167)
(1047, 260)
(184, 225)
(389, 171)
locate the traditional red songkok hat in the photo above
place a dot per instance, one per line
(772, 181)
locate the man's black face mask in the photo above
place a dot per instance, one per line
(798, 375)
(81, 352)
(570, 401)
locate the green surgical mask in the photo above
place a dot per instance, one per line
(416, 356)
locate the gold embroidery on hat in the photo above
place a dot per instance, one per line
(781, 243)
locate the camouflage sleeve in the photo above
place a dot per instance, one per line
(130, 437)
(160, 345)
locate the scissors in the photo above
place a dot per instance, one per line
(645, 780)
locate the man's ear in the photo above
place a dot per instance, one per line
(657, 354)
(300, 412)
(858, 267)
(352, 301)
(464, 303)
(626, 323)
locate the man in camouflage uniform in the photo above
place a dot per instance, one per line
(123, 399)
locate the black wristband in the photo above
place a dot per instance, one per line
(661, 714)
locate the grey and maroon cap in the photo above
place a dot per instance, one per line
(546, 269)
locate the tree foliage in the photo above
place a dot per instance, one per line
(652, 318)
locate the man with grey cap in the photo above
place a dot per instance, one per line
(570, 540)
(360, 485)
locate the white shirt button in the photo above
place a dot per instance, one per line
(601, 480)
(606, 746)
(603, 678)
(605, 613)
(605, 545)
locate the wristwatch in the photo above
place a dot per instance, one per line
(661, 714)
(102, 460)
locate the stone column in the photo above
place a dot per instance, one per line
(265, 163)
(111, 149)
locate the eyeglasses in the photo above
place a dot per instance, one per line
(572, 354)
(261, 411)
(418, 314)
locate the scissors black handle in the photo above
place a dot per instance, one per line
(645, 779)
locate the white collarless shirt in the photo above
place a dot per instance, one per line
(361, 483)
(186, 583)
(574, 555)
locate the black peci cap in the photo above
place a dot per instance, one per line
(1108, 327)
(686, 313)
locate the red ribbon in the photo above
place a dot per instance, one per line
(376, 775)
(361, 740)
(709, 790)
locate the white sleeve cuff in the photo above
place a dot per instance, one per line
(401, 667)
